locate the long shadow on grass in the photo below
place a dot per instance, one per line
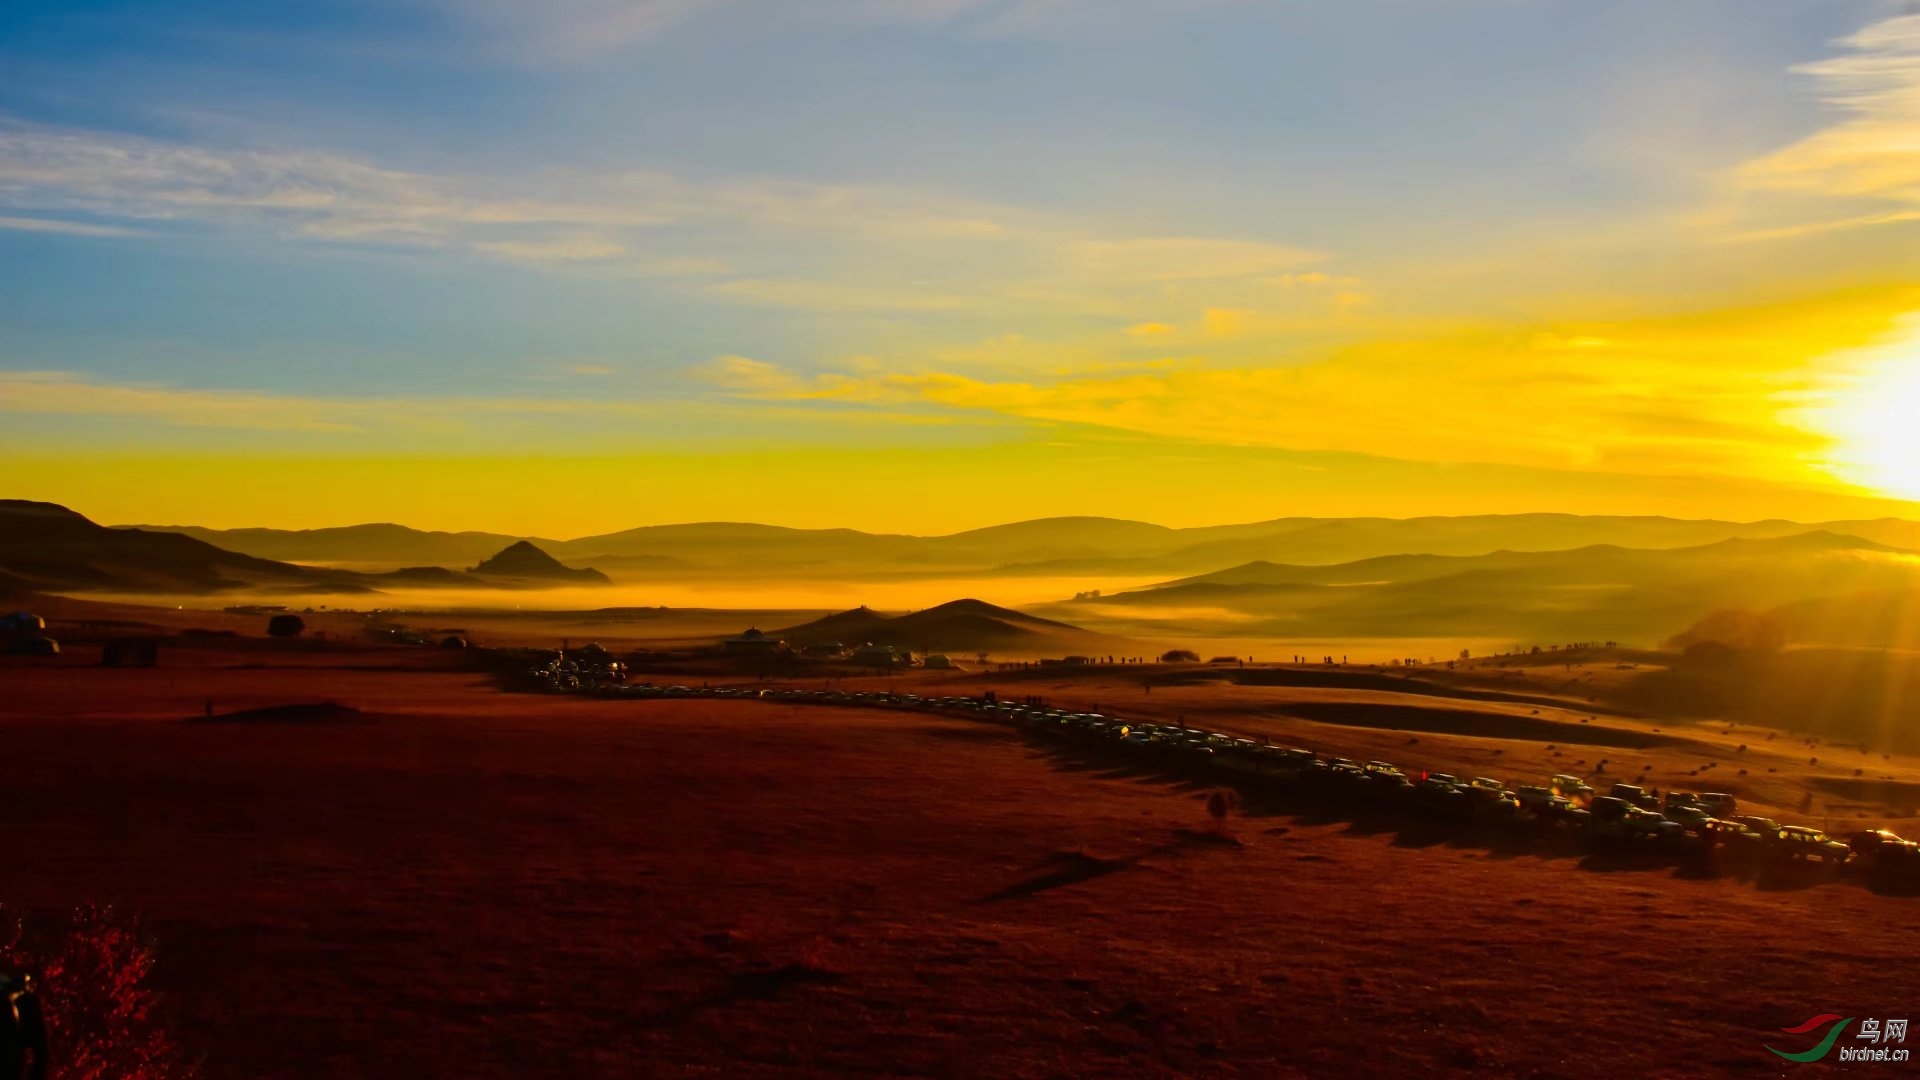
(759, 984)
(1073, 867)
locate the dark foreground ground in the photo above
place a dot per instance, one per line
(466, 883)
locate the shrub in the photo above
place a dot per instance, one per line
(1180, 656)
(285, 626)
(91, 970)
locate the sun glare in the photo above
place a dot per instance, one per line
(1876, 423)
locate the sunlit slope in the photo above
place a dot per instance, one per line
(1592, 593)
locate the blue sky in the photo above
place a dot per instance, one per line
(752, 220)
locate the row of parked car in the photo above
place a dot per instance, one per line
(1686, 824)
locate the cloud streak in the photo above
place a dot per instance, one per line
(764, 241)
(63, 228)
(1649, 396)
(389, 421)
(1871, 155)
(562, 32)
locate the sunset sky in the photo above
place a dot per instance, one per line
(920, 265)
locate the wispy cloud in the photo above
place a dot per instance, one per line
(558, 249)
(64, 228)
(554, 32)
(1640, 396)
(1871, 154)
(57, 393)
(62, 393)
(825, 247)
(551, 31)
(389, 421)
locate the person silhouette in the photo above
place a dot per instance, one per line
(23, 1031)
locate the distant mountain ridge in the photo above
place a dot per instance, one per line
(1601, 591)
(1065, 546)
(49, 547)
(46, 547)
(381, 542)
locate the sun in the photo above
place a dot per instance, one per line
(1875, 421)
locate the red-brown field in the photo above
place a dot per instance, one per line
(464, 882)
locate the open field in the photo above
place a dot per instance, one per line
(459, 880)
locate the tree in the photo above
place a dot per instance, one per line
(286, 626)
(1180, 656)
(102, 1015)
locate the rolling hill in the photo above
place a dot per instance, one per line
(48, 547)
(1588, 593)
(45, 547)
(522, 560)
(956, 626)
(369, 545)
(1069, 546)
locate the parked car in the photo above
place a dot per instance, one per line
(1615, 818)
(1802, 844)
(1649, 825)
(1571, 786)
(1383, 777)
(1677, 799)
(1719, 803)
(1883, 856)
(1688, 815)
(1541, 800)
(1731, 835)
(1765, 826)
(1634, 794)
(1872, 841)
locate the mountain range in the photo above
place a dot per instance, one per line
(1072, 546)
(49, 548)
(1519, 578)
(1595, 592)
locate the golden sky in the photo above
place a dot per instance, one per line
(1652, 261)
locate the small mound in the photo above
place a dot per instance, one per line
(1207, 838)
(322, 712)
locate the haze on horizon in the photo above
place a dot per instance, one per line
(925, 265)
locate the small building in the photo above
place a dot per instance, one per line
(824, 650)
(941, 662)
(882, 656)
(752, 643)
